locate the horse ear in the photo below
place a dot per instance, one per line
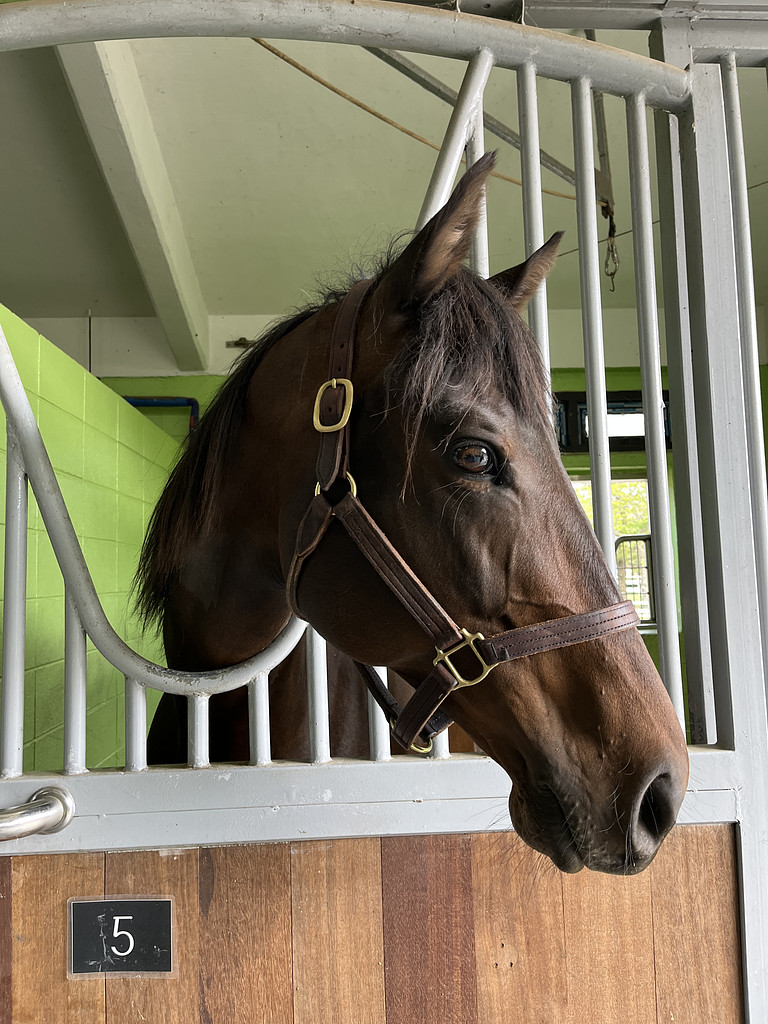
(521, 282)
(438, 250)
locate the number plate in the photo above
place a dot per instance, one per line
(122, 935)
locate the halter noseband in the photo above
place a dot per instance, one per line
(420, 718)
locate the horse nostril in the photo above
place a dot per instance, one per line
(656, 815)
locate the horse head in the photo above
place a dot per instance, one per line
(453, 454)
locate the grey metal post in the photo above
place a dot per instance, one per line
(533, 213)
(75, 674)
(378, 727)
(198, 755)
(726, 506)
(653, 404)
(592, 320)
(478, 257)
(135, 726)
(317, 693)
(14, 611)
(258, 719)
(670, 43)
(748, 333)
(447, 164)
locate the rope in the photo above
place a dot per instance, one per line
(382, 117)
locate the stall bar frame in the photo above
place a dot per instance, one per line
(141, 807)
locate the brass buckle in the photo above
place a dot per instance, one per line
(346, 412)
(468, 641)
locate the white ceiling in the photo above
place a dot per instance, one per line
(274, 181)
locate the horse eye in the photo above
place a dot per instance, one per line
(474, 457)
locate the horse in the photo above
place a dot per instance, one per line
(376, 459)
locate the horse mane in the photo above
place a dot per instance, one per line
(187, 508)
(464, 338)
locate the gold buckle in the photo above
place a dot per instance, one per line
(413, 746)
(346, 412)
(468, 641)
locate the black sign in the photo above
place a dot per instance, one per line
(129, 935)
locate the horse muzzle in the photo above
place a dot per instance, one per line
(619, 835)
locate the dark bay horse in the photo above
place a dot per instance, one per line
(451, 448)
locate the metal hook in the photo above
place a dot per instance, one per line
(612, 263)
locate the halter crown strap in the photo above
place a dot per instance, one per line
(457, 650)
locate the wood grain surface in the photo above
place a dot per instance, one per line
(696, 927)
(41, 991)
(5, 940)
(429, 943)
(245, 935)
(161, 1000)
(519, 933)
(338, 954)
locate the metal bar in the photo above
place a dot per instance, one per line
(670, 43)
(728, 524)
(50, 810)
(258, 720)
(440, 747)
(378, 727)
(38, 23)
(495, 127)
(447, 164)
(317, 693)
(75, 674)
(14, 611)
(533, 213)
(592, 321)
(605, 192)
(135, 726)
(198, 753)
(653, 405)
(70, 558)
(478, 257)
(748, 333)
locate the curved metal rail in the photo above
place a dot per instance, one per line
(395, 26)
(50, 810)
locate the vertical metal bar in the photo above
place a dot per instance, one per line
(447, 163)
(725, 483)
(378, 727)
(748, 331)
(478, 257)
(198, 755)
(135, 726)
(258, 719)
(591, 315)
(670, 43)
(14, 612)
(440, 747)
(533, 212)
(75, 673)
(317, 693)
(653, 403)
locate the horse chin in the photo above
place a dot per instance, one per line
(548, 832)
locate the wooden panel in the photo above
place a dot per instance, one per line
(245, 935)
(696, 926)
(429, 954)
(5, 940)
(338, 943)
(519, 937)
(151, 873)
(41, 991)
(609, 948)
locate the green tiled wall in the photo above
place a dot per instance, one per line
(174, 420)
(111, 463)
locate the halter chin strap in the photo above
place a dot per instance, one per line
(462, 658)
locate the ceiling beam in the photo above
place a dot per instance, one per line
(107, 90)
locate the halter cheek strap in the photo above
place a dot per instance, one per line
(414, 725)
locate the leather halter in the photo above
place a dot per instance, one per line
(455, 647)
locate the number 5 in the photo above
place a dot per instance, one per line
(121, 931)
